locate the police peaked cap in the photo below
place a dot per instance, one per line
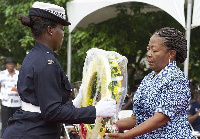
(49, 11)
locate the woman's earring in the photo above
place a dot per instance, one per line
(169, 60)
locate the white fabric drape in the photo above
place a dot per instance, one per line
(97, 10)
(196, 14)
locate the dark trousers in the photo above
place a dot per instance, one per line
(6, 113)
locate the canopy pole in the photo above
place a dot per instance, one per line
(69, 57)
(188, 29)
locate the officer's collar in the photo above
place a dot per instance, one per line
(45, 48)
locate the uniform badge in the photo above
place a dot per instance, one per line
(50, 62)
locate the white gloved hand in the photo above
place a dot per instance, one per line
(106, 107)
(77, 100)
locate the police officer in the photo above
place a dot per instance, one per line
(42, 84)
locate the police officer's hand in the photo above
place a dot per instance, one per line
(106, 107)
(77, 100)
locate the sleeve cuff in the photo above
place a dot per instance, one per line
(164, 111)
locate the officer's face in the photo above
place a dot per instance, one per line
(58, 35)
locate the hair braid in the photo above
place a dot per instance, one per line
(174, 40)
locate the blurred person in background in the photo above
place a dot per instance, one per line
(10, 100)
(194, 113)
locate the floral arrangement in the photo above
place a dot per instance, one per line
(104, 74)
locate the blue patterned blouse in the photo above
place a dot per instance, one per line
(168, 93)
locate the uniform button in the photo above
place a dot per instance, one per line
(47, 52)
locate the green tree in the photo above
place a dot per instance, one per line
(194, 65)
(126, 34)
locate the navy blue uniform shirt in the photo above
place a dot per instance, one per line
(42, 82)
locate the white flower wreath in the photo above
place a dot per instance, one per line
(104, 74)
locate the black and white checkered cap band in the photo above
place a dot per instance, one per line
(63, 16)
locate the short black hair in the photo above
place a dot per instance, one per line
(174, 40)
(9, 60)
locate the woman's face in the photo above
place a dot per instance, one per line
(57, 36)
(157, 55)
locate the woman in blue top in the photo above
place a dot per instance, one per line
(161, 102)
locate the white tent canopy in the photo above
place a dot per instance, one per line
(196, 14)
(83, 12)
